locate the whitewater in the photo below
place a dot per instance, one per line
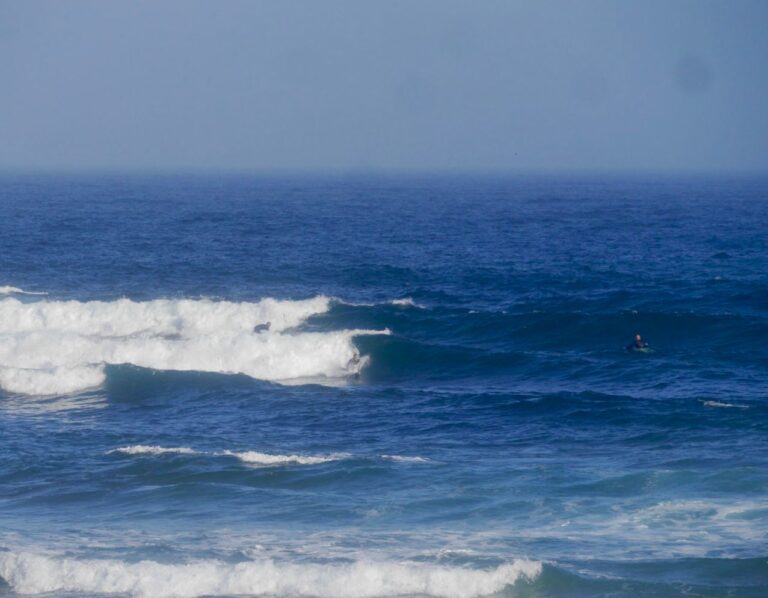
(50, 347)
(33, 574)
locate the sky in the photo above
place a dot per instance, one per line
(384, 86)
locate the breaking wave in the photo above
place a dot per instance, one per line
(254, 457)
(257, 458)
(28, 573)
(56, 347)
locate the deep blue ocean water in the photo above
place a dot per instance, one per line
(442, 405)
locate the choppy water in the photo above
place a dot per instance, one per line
(442, 405)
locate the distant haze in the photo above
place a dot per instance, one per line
(184, 85)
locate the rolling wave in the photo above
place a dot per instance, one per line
(58, 347)
(29, 573)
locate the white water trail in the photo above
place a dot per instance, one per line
(7, 290)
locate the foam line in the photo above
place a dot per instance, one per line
(17, 291)
(406, 302)
(58, 347)
(30, 573)
(255, 458)
(723, 405)
(248, 457)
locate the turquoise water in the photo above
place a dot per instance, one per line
(442, 404)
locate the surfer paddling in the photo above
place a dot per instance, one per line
(638, 345)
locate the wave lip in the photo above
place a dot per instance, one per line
(61, 347)
(29, 573)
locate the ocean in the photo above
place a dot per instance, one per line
(383, 386)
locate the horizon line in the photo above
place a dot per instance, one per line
(381, 172)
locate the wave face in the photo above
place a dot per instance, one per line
(57, 347)
(494, 437)
(34, 574)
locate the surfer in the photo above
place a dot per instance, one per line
(353, 366)
(262, 327)
(638, 345)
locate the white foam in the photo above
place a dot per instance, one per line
(17, 291)
(29, 573)
(143, 449)
(255, 458)
(249, 457)
(405, 459)
(49, 381)
(665, 529)
(402, 302)
(406, 302)
(56, 347)
(715, 511)
(724, 405)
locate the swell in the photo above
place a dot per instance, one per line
(564, 330)
(585, 351)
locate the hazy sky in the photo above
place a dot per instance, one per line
(387, 85)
